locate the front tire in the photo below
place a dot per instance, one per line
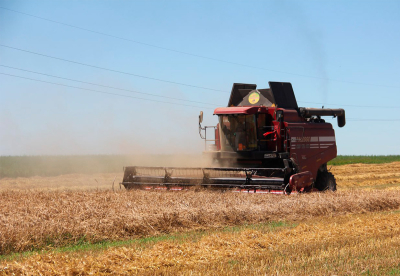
(325, 181)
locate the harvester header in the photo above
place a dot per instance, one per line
(263, 143)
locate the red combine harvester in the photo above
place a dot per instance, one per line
(264, 143)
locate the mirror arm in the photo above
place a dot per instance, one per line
(200, 129)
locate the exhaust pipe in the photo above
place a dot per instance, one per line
(307, 112)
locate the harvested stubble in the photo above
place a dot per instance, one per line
(34, 220)
(355, 176)
(346, 245)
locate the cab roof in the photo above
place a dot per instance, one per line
(242, 110)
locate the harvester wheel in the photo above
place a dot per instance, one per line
(325, 181)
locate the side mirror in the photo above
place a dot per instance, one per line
(279, 116)
(201, 117)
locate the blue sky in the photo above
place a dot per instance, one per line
(342, 54)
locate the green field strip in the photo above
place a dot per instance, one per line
(141, 243)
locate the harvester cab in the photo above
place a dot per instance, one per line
(263, 143)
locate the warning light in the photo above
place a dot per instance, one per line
(254, 98)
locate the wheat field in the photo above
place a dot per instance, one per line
(46, 213)
(52, 219)
(366, 244)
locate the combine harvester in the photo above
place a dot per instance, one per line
(264, 143)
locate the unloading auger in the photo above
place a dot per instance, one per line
(264, 143)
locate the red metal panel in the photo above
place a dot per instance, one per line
(301, 180)
(236, 110)
(311, 145)
(291, 115)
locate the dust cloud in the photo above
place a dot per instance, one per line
(150, 134)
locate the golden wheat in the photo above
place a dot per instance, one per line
(344, 245)
(49, 219)
(47, 212)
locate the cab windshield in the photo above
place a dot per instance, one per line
(238, 132)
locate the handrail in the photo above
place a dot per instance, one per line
(205, 135)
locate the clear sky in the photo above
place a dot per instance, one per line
(340, 54)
